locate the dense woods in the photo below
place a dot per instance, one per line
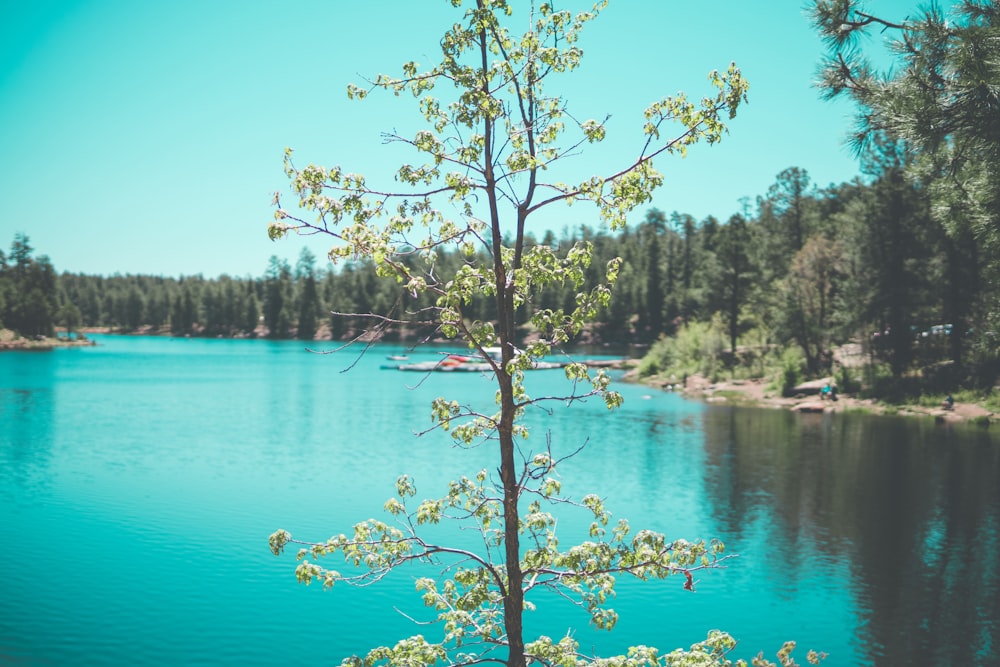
(808, 269)
(903, 262)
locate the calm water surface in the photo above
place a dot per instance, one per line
(139, 481)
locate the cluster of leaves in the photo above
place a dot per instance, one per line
(944, 100)
(468, 602)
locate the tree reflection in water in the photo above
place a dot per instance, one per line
(912, 507)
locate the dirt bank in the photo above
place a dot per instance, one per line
(756, 393)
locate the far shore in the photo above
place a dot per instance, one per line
(10, 341)
(755, 393)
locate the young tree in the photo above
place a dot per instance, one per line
(489, 151)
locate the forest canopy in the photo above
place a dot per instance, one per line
(810, 269)
(903, 261)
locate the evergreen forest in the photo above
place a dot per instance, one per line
(774, 289)
(901, 266)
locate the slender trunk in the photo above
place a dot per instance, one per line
(513, 595)
(513, 610)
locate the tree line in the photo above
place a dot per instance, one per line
(808, 268)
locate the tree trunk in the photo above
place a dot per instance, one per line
(513, 609)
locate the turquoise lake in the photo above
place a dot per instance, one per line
(140, 479)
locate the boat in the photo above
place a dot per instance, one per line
(452, 362)
(463, 363)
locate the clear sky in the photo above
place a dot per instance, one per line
(147, 136)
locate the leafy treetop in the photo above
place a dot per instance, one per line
(486, 157)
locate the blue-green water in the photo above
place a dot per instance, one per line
(139, 481)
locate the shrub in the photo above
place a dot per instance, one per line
(793, 366)
(694, 350)
(846, 382)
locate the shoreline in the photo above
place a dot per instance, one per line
(11, 342)
(748, 393)
(46, 345)
(754, 393)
